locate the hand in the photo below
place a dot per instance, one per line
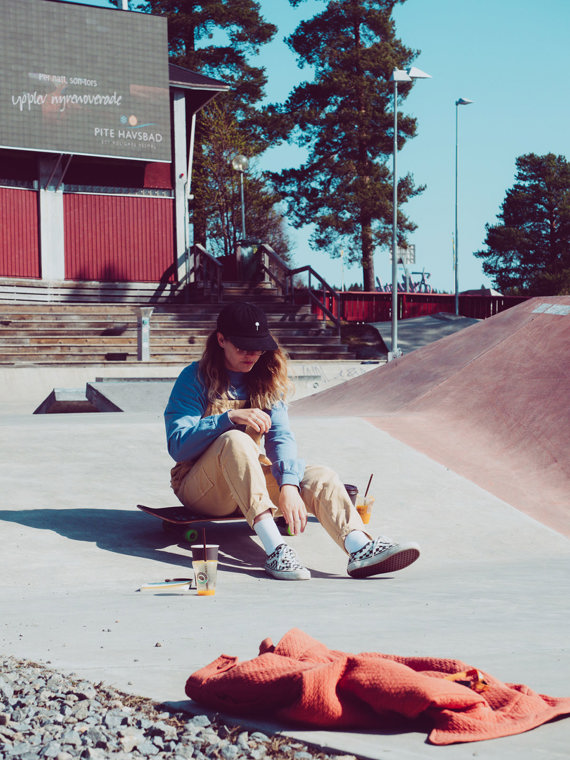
(293, 509)
(257, 419)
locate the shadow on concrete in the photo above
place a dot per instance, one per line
(388, 724)
(135, 534)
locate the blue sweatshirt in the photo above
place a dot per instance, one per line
(189, 433)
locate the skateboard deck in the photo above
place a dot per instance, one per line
(180, 519)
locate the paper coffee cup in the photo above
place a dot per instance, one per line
(352, 491)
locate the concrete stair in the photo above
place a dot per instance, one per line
(83, 334)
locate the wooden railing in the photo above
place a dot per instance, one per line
(273, 269)
(323, 298)
(205, 270)
(339, 306)
(20, 290)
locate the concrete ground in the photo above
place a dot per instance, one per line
(491, 588)
(141, 386)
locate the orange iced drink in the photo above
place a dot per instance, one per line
(364, 507)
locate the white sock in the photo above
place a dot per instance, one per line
(268, 532)
(355, 540)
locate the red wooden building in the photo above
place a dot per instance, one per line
(95, 218)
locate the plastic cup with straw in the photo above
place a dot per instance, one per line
(364, 503)
(205, 565)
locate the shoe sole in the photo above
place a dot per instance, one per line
(394, 562)
(286, 575)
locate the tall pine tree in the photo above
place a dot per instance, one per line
(217, 38)
(344, 118)
(528, 250)
(221, 187)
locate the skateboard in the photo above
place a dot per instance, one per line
(180, 519)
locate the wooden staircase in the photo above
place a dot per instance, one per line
(104, 333)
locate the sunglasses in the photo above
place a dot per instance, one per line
(243, 351)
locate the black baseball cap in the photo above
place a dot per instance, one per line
(245, 325)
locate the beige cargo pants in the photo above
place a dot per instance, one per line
(230, 475)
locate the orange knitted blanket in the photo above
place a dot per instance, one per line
(303, 681)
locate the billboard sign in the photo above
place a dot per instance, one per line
(83, 80)
(406, 254)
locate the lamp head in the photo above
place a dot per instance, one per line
(399, 75)
(240, 163)
(406, 75)
(463, 102)
(415, 73)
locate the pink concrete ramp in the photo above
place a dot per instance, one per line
(490, 402)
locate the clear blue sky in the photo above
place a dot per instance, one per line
(511, 58)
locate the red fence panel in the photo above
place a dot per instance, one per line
(112, 238)
(423, 304)
(366, 306)
(19, 235)
(481, 307)
(357, 306)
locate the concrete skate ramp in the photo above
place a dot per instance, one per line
(490, 403)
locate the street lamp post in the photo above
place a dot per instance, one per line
(398, 75)
(240, 164)
(458, 102)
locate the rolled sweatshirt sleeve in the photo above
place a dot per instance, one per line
(281, 448)
(188, 433)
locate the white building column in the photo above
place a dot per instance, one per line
(180, 181)
(50, 212)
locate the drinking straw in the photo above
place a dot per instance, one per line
(205, 557)
(368, 486)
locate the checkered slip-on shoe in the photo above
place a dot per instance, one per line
(283, 565)
(381, 555)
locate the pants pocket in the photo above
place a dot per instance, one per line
(195, 487)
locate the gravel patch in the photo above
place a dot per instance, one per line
(47, 715)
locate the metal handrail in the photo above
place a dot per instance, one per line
(286, 285)
(326, 289)
(206, 269)
(287, 288)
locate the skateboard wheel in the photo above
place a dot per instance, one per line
(282, 526)
(191, 535)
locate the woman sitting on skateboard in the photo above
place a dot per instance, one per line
(219, 410)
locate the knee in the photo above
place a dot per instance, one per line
(235, 443)
(319, 477)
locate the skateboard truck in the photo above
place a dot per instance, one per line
(180, 520)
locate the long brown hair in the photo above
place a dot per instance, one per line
(267, 381)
